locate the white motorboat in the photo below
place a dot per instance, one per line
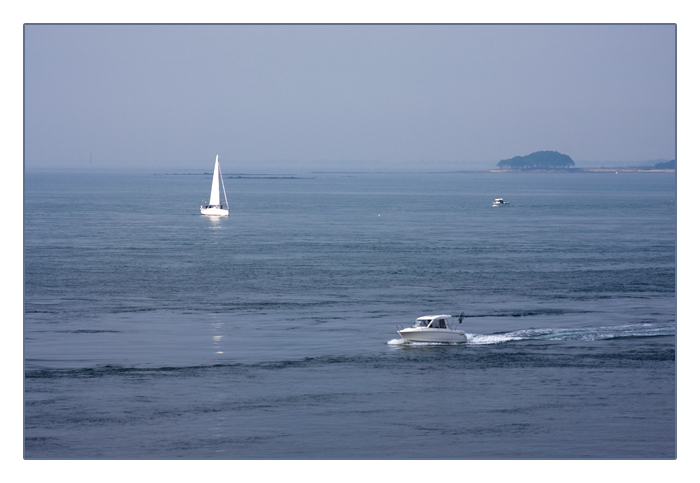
(433, 328)
(215, 206)
(500, 202)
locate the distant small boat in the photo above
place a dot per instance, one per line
(215, 207)
(433, 328)
(500, 202)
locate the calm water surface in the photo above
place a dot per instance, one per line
(154, 332)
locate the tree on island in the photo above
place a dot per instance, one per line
(667, 165)
(538, 160)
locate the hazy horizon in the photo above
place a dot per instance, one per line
(300, 98)
(359, 166)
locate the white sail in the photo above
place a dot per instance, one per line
(214, 198)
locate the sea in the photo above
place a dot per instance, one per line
(152, 332)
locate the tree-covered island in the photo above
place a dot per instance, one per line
(538, 160)
(666, 165)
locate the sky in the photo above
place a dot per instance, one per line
(346, 97)
(77, 92)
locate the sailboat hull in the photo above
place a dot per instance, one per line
(213, 211)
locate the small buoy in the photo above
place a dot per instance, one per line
(379, 215)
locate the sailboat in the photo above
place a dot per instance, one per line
(215, 207)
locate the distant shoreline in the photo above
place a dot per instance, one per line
(584, 170)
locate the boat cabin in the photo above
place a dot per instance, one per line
(432, 321)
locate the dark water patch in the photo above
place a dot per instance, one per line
(525, 409)
(512, 428)
(128, 310)
(528, 313)
(89, 331)
(109, 371)
(39, 439)
(429, 358)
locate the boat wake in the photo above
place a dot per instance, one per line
(587, 334)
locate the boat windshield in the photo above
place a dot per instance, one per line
(434, 324)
